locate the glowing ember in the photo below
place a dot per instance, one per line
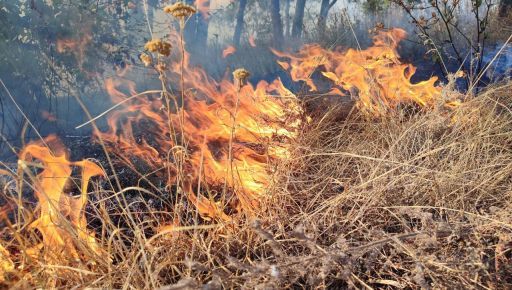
(61, 219)
(375, 74)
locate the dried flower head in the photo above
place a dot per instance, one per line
(241, 75)
(158, 45)
(460, 74)
(180, 10)
(146, 59)
(161, 67)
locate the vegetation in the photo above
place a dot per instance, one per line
(337, 172)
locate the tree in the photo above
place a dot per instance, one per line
(504, 8)
(324, 11)
(287, 17)
(277, 24)
(298, 19)
(196, 29)
(52, 53)
(239, 22)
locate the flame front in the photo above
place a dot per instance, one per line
(221, 139)
(61, 219)
(375, 76)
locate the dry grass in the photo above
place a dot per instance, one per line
(416, 200)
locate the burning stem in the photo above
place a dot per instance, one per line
(183, 150)
(182, 80)
(231, 139)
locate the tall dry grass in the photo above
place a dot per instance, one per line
(419, 199)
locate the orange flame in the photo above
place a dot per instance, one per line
(375, 74)
(6, 264)
(231, 135)
(228, 51)
(61, 219)
(252, 41)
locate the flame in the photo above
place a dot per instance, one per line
(6, 264)
(252, 41)
(225, 135)
(228, 51)
(375, 74)
(61, 219)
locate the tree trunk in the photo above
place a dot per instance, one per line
(277, 24)
(287, 18)
(196, 30)
(202, 28)
(190, 28)
(298, 19)
(239, 22)
(504, 7)
(324, 12)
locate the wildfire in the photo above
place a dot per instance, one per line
(375, 76)
(61, 217)
(219, 143)
(6, 264)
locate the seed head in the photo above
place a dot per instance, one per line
(159, 46)
(180, 10)
(161, 67)
(241, 75)
(146, 59)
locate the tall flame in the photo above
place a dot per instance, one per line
(61, 219)
(225, 133)
(375, 74)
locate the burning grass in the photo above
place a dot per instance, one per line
(421, 200)
(232, 185)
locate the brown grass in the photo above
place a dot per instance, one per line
(415, 200)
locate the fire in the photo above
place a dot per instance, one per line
(228, 51)
(61, 218)
(375, 74)
(6, 264)
(252, 41)
(219, 143)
